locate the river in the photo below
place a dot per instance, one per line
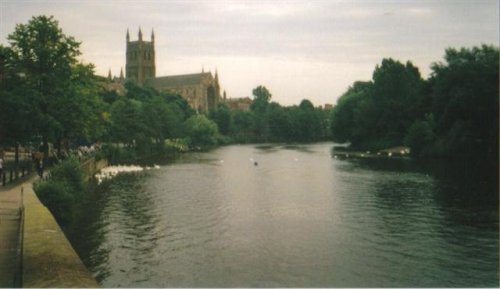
(296, 218)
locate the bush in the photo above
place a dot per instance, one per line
(420, 137)
(57, 197)
(116, 154)
(201, 131)
(60, 191)
(69, 172)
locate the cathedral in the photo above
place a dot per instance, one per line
(200, 90)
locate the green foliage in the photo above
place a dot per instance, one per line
(69, 171)
(243, 129)
(420, 136)
(262, 96)
(62, 189)
(378, 114)
(44, 74)
(56, 196)
(453, 113)
(223, 118)
(116, 154)
(465, 100)
(201, 131)
(269, 121)
(127, 125)
(351, 114)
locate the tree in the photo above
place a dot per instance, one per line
(262, 97)
(396, 89)
(280, 125)
(16, 111)
(378, 114)
(201, 131)
(58, 88)
(346, 117)
(222, 117)
(310, 123)
(127, 123)
(420, 136)
(465, 101)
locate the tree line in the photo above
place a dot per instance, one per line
(48, 95)
(268, 121)
(452, 113)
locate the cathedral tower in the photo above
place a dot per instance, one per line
(140, 59)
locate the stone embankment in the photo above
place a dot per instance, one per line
(34, 251)
(48, 259)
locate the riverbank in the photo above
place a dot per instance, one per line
(48, 259)
(35, 252)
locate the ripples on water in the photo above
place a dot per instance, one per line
(298, 219)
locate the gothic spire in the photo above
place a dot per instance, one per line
(121, 73)
(128, 36)
(152, 35)
(140, 34)
(109, 74)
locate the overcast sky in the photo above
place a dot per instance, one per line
(297, 49)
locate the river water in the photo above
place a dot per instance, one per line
(297, 219)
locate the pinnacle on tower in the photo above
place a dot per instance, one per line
(152, 35)
(216, 76)
(140, 34)
(128, 36)
(121, 73)
(109, 74)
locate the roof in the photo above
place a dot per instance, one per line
(177, 80)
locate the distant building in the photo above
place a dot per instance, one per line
(115, 84)
(242, 103)
(328, 106)
(201, 90)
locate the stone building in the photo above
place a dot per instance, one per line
(201, 90)
(242, 103)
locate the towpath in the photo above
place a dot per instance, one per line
(10, 220)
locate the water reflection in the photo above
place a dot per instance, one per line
(299, 219)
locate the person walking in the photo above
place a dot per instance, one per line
(40, 167)
(1, 169)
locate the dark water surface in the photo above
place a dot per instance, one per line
(298, 219)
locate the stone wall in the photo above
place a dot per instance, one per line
(48, 258)
(90, 167)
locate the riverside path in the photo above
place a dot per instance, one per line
(10, 224)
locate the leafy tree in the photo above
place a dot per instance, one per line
(244, 126)
(262, 97)
(58, 88)
(345, 117)
(420, 136)
(222, 117)
(378, 114)
(127, 123)
(141, 93)
(201, 131)
(309, 121)
(280, 125)
(182, 106)
(396, 89)
(465, 101)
